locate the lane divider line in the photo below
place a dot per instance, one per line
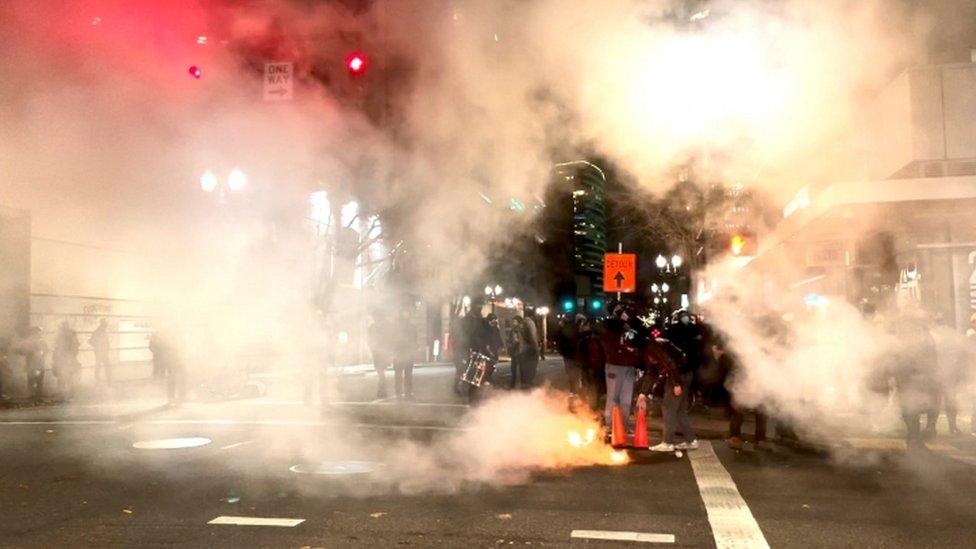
(639, 537)
(257, 521)
(236, 444)
(732, 522)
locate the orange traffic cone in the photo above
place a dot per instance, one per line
(640, 431)
(618, 435)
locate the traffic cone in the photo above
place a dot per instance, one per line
(640, 431)
(618, 435)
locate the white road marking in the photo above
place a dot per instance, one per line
(732, 522)
(172, 443)
(257, 521)
(62, 422)
(622, 536)
(236, 444)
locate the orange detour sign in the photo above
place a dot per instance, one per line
(620, 273)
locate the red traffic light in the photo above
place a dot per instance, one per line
(195, 72)
(356, 63)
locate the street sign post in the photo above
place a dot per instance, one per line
(278, 81)
(620, 273)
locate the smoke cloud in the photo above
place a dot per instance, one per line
(467, 105)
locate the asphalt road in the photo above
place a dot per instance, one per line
(70, 477)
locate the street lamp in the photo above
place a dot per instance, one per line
(208, 182)
(665, 287)
(236, 181)
(667, 266)
(654, 287)
(492, 293)
(543, 312)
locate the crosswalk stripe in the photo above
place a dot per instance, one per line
(622, 536)
(733, 525)
(257, 521)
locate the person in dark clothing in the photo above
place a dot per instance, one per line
(911, 365)
(952, 374)
(592, 360)
(64, 359)
(528, 351)
(728, 363)
(567, 340)
(689, 338)
(512, 340)
(382, 349)
(4, 366)
(166, 359)
(459, 347)
(35, 351)
(405, 346)
(674, 405)
(99, 342)
(622, 361)
(493, 343)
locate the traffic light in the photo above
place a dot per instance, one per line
(568, 306)
(597, 305)
(356, 63)
(743, 244)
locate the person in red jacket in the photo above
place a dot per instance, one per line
(619, 344)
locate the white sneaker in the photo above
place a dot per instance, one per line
(693, 445)
(662, 447)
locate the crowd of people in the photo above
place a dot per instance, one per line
(683, 360)
(36, 356)
(610, 359)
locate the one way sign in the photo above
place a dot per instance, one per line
(619, 273)
(278, 83)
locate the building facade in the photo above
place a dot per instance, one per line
(906, 232)
(587, 182)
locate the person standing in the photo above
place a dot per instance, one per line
(513, 337)
(493, 343)
(35, 351)
(4, 366)
(728, 362)
(456, 338)
(405, 340)
(592, 361)
(911, 365)
(528, 351)
(382, 349)
(166, 361)
(64, 359)
(567, 343)
(99, 342)
(687, 339)
(622, 361)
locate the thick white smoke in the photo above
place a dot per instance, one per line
(104, 136)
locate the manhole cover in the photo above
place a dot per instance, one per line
(351, 467)
(171, 443)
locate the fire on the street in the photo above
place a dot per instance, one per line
(577, 440)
